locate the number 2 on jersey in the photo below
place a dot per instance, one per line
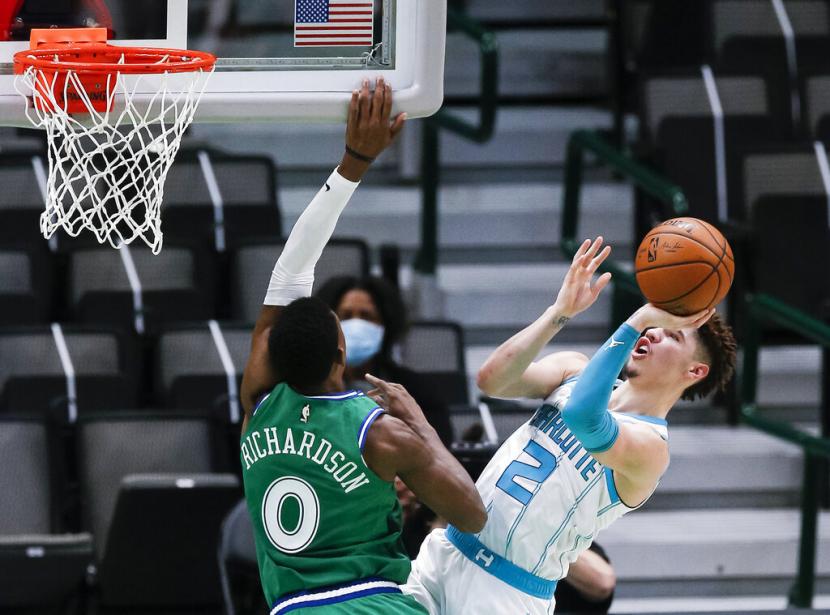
(537, 474)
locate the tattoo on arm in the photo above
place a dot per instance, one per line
(561, 321)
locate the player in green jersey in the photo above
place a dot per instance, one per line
(318, 464)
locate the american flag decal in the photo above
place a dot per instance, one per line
(333, 23)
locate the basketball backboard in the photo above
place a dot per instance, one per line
(294, 60)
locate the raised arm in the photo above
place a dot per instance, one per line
(368, 132)
(510, 370)
(402, 443)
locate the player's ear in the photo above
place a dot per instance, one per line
(340, 359)
(698, 371)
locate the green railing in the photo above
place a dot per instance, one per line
(626, 293)
(761, 309)
(426, 260)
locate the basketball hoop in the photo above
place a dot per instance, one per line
(114, 119)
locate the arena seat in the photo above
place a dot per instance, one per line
(191, 373)
(786, 196)
(21, 207)
(817, 103)
(238, 569)
(252, 263)
(679, 131)
(26, 293)
(99, 370)
(175, 285)
(435, 349)
(747, 36)
(800, 222)
(221, 199)
(40, 564)
(148, 481)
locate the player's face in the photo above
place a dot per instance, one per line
(358, 304)
(663, 355)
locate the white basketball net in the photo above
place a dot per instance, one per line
(107, 169)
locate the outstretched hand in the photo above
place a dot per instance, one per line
(369, 130)
(579, 289)
(396, 400)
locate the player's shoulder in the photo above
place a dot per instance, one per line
(562, 367)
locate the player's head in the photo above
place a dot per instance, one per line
(370, 299)
(693, 362)
(306, 345)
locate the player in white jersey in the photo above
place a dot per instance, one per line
(594, 450)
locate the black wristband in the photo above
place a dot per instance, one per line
(358, 155)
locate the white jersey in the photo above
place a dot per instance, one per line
(546, 496)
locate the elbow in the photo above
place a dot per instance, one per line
(605, 584)
(475, 521)
(485, 383)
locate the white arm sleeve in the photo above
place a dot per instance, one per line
(293, 275)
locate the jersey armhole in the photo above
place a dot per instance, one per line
(261, 401)
(374, 413)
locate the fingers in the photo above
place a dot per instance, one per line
(693, 321)
(378, 99)
(595, 246)
(354, 108)
(602, 282)
(380, 385)
(364, 102)
(386, 111)
(598, 260)
(397, 124)
(375, 395)
(701, 317)
(582, 249)
(587, 251)
(589, 261)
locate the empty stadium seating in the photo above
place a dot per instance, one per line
(148, 481)
(40, 563)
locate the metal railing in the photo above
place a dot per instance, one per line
(761, 309)
(426, 260)
(625, 289)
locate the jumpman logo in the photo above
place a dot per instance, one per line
(487, 559)
(614, 343)
(306, 412)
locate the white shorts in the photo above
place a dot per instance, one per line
(445, 582)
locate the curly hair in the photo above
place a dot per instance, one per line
(302, 344)
(717, 348)
(386, 297)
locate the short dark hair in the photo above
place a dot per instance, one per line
(717, 348)
(302, 344)
(385, 296)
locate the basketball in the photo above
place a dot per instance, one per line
(684, 265)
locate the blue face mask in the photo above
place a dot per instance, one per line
(363, 340)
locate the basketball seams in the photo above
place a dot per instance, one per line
(706, 226)
(655, 267)
(693, 289)
(715, 269)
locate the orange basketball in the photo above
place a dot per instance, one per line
(684, 265)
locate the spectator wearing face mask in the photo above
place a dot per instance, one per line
(373, 317)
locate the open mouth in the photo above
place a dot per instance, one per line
(641, 349)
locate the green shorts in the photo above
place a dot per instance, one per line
(361, 597)
(391, 604)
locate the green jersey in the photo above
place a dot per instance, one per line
(321, 516)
